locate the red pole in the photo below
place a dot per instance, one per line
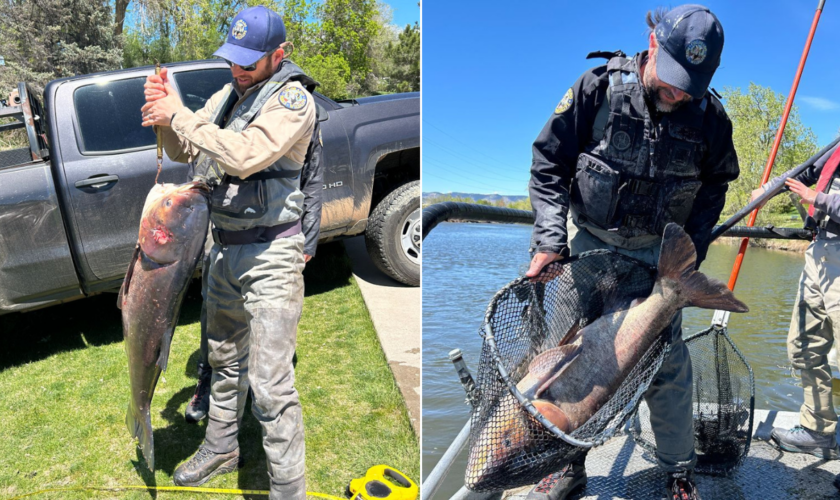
(733, 278)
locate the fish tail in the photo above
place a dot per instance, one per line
(677, 261)
(140, 427)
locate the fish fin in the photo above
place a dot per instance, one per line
(132, 423)
(677, 260)
(128, 274)
(165, 343)
(549, 365)
(142, 430)
(553, 414)
(570, 334)
(677, 257)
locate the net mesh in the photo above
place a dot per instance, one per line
(523, 320)
(724, 400)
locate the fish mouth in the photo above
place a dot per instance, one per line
(199, 186)
(191, 187)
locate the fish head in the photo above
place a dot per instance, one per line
(173, 216)
(503, 446)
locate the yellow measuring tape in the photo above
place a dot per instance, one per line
(220, 491)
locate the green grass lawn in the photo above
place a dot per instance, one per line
(64, 393)
(787, 219)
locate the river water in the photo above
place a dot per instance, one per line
(465, 264)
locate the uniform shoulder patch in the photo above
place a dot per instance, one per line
(565, 103)
(293, 98)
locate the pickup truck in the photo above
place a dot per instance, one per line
(70, 201)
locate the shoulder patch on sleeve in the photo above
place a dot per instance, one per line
(565, 103)
(293, 98)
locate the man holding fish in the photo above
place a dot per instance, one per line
(634, 145)
(249, 142)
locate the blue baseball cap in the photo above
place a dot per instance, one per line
(253, 32)
(690, 40)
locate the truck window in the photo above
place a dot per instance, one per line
(197, 86)
(109, 116)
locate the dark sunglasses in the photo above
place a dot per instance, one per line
(250, 67)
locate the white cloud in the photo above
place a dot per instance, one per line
(820, 103)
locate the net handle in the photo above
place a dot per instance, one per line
(736, 268)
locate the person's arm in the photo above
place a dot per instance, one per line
(718, 169)
(555, 153)
(177, 149)
(828, 203)
(180, 149)
(808, 177)
(275, 133)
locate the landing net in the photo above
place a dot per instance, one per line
(724, 400)
(525, 319)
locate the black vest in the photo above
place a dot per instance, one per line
(638, 175)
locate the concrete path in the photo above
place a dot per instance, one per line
(395, 311)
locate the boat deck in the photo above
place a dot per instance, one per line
(620, 469)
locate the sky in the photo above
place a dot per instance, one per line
(493, 72)
(405, 11)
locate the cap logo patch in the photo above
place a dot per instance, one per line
(695, 51)
(239, 30)
(292, 98)
(565, 103)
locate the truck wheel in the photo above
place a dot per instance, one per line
(393, 234)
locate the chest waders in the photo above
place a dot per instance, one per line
(636, 175)
(268, 204)
(253, 291)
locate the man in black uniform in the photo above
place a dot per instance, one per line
(633, 145)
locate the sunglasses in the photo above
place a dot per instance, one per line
(250, 67)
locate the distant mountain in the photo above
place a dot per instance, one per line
(476, 196)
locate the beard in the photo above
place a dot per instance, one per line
(654, 91)
(257, 77)
(655, 96)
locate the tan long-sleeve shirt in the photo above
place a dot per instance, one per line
(276, 132)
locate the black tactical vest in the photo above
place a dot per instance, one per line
(638, 175)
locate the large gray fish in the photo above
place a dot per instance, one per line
(569, 383)
(172, 232)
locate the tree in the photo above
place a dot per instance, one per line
(50, 39)
(347, 28)
(349, 46)
(405, 58)
(178, 30)
(521, 205)
(755, 119)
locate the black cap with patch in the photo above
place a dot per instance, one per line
(690, 41)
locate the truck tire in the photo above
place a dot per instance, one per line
(393, 235)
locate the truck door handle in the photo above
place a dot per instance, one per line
(97, 181)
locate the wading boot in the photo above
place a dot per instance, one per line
(204, 465)
(680, 486)
(559, 485)
(803, 440)
(199, 404)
